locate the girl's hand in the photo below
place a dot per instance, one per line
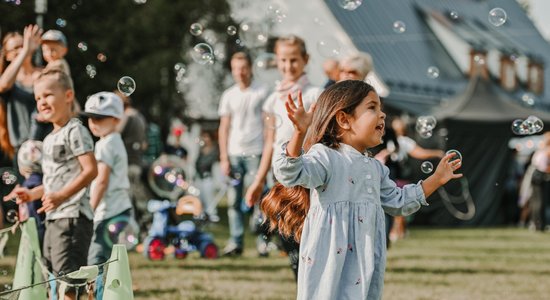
(297, 114)
(19, 194)
(32, 38)
(445, 169)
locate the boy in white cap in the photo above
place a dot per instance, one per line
(109, 194)
(54, 49)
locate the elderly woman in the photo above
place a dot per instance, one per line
(355, 67)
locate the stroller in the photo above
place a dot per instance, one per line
(177, 226)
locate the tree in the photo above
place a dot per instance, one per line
(124, 38)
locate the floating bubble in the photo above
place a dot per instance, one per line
(7, 287)
(9, 177)
(497, 16)
(180, 69)
(399, 27)
(101, 57)
(61, 22)
(4, 272)
(433, 72)
(167, 176)
(457, 155)
(265, 68)
(426, 167)
(350, 4)
(275, 14)
(202, 54)
(82, 47)
(253, 34)
(328, 47)
(533, 124)
(30, 154)
(454, 15)
(231, 30)
(528, 99)
(479, 59)
(126, 85)
(426, 134)
(195, 29)
(273, 121)
(91, 71)
(318, 22)
(121, 230)
(11, 216)
(518, 127)
(425, 125)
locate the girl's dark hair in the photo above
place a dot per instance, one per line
(286, 208)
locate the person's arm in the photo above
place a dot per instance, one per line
(31, 41)
(422, 153)
(88, 172)
(23, 194)
(223, 136)
(255, 189)
(101, 184)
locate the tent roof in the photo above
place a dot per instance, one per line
(482, 101)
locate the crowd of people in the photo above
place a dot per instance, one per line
(330, 205)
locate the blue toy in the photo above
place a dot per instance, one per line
(177, 228)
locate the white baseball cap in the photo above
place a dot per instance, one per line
(54, 36)
(104, 104)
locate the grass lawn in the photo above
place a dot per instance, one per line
(501, 263)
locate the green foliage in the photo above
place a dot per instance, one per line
(143, 41)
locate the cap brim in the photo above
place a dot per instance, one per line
(93, 115)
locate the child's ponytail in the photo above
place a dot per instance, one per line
(286, 209)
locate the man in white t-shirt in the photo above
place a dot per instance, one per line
(241, 142)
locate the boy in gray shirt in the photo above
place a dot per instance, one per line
(69, 167)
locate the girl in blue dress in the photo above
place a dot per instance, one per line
(332, 198)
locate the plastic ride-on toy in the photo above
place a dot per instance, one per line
(177, 228)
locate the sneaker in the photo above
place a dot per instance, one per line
(262, 246)
(232, 249)
(214, 218)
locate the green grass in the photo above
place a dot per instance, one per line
(495, 263)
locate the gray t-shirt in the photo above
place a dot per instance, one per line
(116, 199)
(60, 165)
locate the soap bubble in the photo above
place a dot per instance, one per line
(399, 27)
(497, 16)
(82, 46)
(265, 68)
(533, 124)
(126, 85)
(101, 57)
(253, 34)
(425, 125)
(61, 22)
(275, 14)
(91, 71)
(203, 54)
(195, 29)
(11, 216)
(9, 177)
(350, 4)
(427, 167)
(167, 177)
(231, 30)
(456, 156)
(121, 230)
(528, 98)
(273, 121)
(328, 47)
(454, 15)
(518, 127)
(433, 72)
